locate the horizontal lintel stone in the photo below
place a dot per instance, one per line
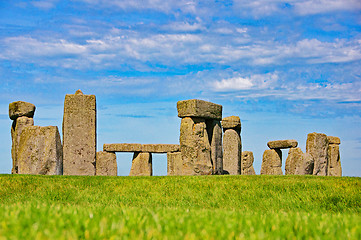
(137, 147)
(279, 144)
(333, 140)
(232, 122)
(160, 148)
(199, 108)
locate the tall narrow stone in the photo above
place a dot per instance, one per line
(293, 161)
(307, 165)
(317, 146)
(272, 162)
(232, 145)
(195, 147)
(40, 151)
(79, 134)
(174, 163)
(247, 163)
(141, 164)
(214, 130)
(106, 164)
(333, 152)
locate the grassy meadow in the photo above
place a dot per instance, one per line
(184, 207)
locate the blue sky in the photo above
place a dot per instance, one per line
(287, 68)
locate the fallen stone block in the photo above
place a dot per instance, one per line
(199, 108)
(272, 162)
(247, 163)
(159, 148)
(232, 122)
(106, 164)
(141, 164)
(232, 152)
(317, 146)
(40, 151)
(281, 144)
(333, 140)
(174, 164)
(294, 160)
(21, 109)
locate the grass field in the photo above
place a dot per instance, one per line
(202, 207)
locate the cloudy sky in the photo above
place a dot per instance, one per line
(287, 68)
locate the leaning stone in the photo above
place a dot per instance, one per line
(21, 109)
(141, 164)
(199, 109)
(333, 140)
(317, 146)
(334, 163)
(195, 147)
(106, 164)
(280, 144)
(293, 161)
(79, 134)
(40, 151)
(272, 162)
(247, 163)
(214, 131)
(232, 152)
(233, 122)
(174, 164)
(18, 126)
(160, 148)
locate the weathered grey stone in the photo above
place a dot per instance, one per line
(233, 122)
(141, 164)
(199, 109)
(79, 134)
(294, 160)
(18, 126)
(280, 144)
(232, 152)
(122, 147)
(106, 164)
(316, 146)
(334, 166)
(272, 162)
(195, 147)
(247, 163)
(21, 109)
(333, 140)
(307, 165)
(174, 163)
(160, 148)
(214, 131)
(40, 151)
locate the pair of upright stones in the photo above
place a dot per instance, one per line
(35, 149)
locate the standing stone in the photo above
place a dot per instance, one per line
(232, 152)
(195, 147)
(18, 126)
(333, 152)
(317, 146)
(307, 165)
(141, 164)
(247, 163)
(293, 161)
(174, 163)
(272, 162)
(214, 131)
(79, 134)
(40, 151)
(21, 109)
(106, 164)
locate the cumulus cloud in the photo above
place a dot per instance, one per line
(256, 81)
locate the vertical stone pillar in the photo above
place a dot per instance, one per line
(200, 137)
(174, 163)
(333, 152)
(316, 147)
(294, 160)
(272, 162)
(247, 163)
(232, 145)
(79, 134)
(141, 164)
(106, 164)
(22, 114)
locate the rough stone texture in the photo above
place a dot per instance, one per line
(21, 109)
(247, 163)
(232, 152)
(334, 163)
(195, 147)
(40, 151)
(294, 160)
(214, 131)
(18, 126)
(199, 109)
(333, 140)
(233, 122)
(106, 164)
(174, 164)
(122, 147)
(307, 165)
(272, 162)
(316, 146)
(280, 144)
(141, 164)
(160, 148)
(79, 134)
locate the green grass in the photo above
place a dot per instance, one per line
(202, 207)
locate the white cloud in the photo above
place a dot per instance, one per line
(322, 6)
(45, 5)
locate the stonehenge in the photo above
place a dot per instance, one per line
(208, 145)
